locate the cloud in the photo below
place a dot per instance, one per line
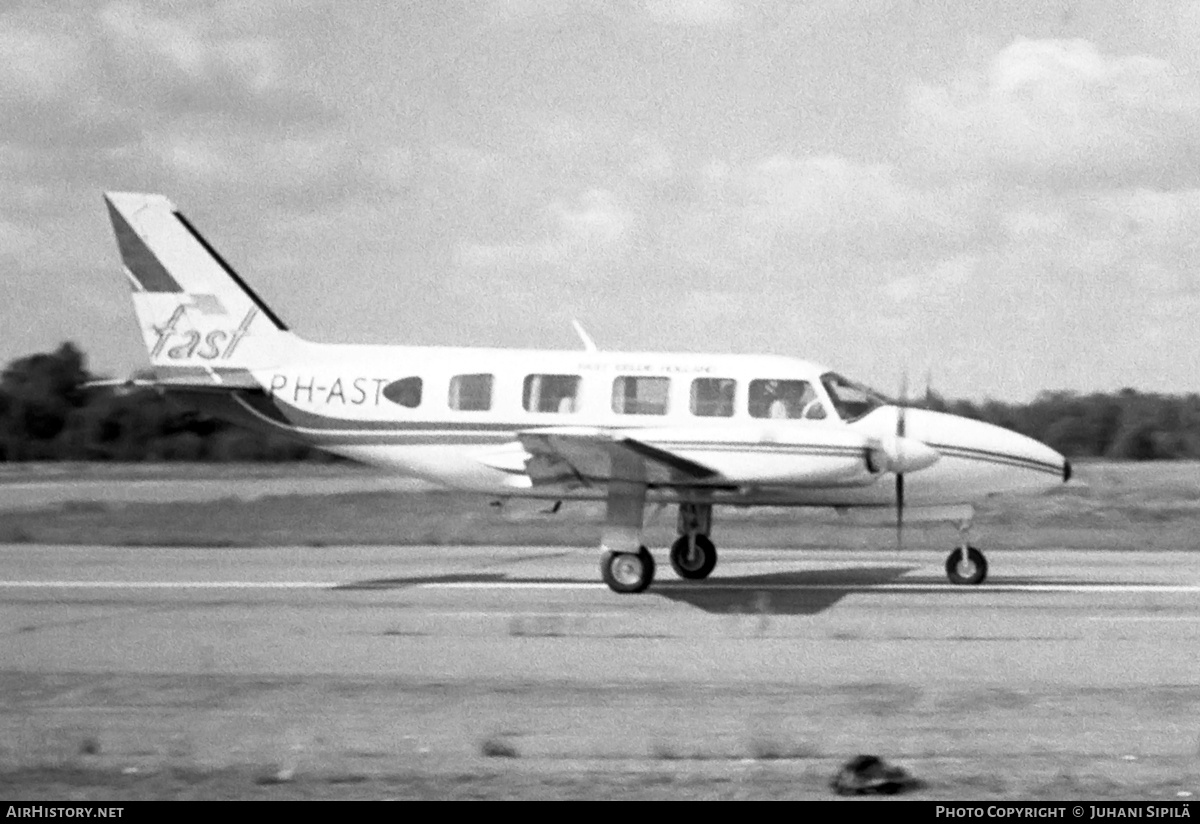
(14, 239)
(785, 216)
(532, 13)
(581, 236)
(942, 285)
(829, 194)
(719, 306)
(652, 161)
(157, 47)
(200, 61)
(707, 13)
(1139, 238)
(306, 170)
(38, 65)
(1055, 112)
(94, 80)
(697, 13)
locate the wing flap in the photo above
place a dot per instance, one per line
(590, 456)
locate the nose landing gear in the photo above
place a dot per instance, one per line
(971, 569)
(966, 564)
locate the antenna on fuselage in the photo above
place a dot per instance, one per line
(588, 344)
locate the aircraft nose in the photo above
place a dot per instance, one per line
(1000, 458)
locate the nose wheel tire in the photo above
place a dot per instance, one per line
(627, 572)
(693, 565)
(969, 570)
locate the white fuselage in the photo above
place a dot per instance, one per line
(452, 416)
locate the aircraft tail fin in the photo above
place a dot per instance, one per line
(194, 310)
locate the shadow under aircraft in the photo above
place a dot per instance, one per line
(784, 593)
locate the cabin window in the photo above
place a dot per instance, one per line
(471, 393)
(640, 396)
(713, 397)
(551, 393)
(783, 399)
(405, 392)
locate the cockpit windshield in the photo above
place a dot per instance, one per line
(851, 400)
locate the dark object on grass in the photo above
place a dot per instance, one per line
(871, 775)
(498, 748)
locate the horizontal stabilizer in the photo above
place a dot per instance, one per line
(191, 379)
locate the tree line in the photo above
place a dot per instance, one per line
(48, 413)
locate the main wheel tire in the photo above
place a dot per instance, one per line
(648, 560)
(627, 572)
(972, 572)
(700, 565)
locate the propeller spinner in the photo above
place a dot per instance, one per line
(900, 455)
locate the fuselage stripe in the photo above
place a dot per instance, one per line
(997, 457)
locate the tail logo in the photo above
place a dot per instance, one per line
(184, 344)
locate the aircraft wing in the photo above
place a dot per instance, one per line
(587, 455)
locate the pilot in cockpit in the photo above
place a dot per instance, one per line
(793, 400)
(788, 399)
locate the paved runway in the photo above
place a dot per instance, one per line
(1068, 618)
(376, 661)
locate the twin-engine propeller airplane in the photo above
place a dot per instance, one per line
(628, 428)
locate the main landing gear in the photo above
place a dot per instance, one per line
(966, 564)
(627, 572)
(693, 555)
(627, 566)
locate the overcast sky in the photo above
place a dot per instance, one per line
(1004, 193)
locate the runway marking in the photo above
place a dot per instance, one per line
(716, 586)
(1118, 618)
(169, 584)
(848, 587)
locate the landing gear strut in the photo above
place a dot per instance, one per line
(626, 565)
(966, 564)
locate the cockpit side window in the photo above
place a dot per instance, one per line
(783, 399)
(851, 400)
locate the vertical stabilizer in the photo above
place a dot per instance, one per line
(194, 310)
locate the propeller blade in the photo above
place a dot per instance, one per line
(900, 412)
